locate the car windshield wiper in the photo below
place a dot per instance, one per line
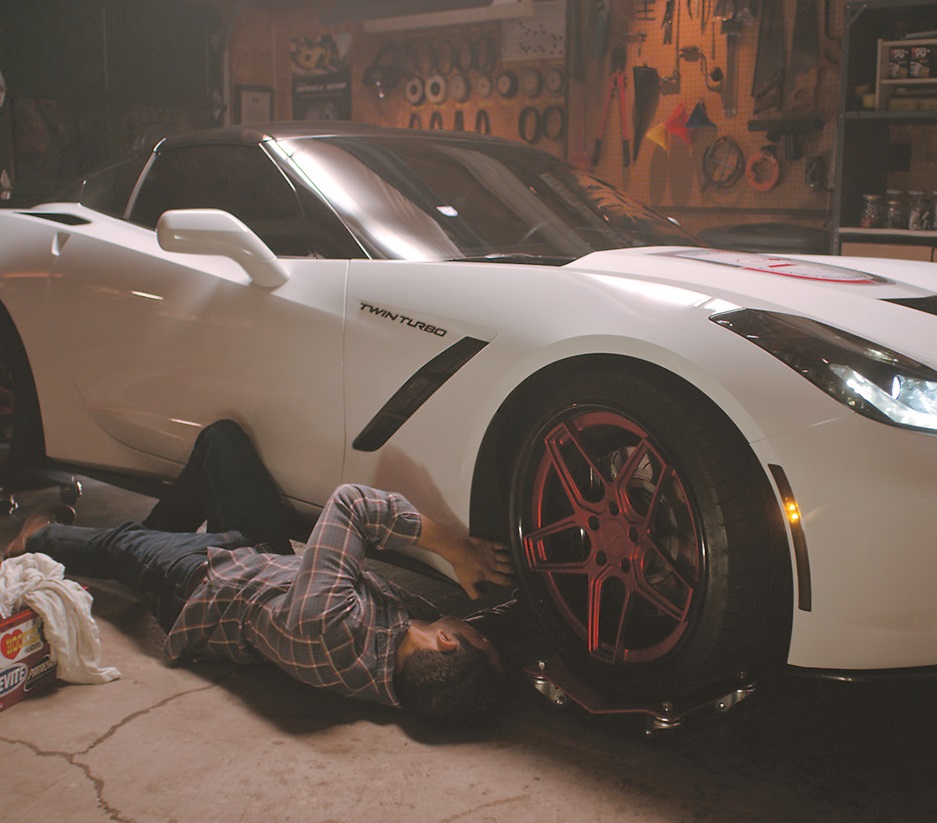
(517, 257)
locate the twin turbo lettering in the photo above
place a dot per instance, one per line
(403, 319)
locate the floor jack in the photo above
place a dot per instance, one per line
(560, 686)
(34, 479)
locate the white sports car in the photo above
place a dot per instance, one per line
(705, 462)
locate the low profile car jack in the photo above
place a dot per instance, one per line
(559, 685)
(34, 479)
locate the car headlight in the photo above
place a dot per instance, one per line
(868, 378)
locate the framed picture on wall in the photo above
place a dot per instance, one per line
(253, 104)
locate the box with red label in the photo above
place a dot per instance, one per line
(26, 663)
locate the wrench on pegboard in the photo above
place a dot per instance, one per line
(645, 10)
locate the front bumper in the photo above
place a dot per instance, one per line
(867, 494)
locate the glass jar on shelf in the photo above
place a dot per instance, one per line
(918, 211)
(872, 215)
(895, 217)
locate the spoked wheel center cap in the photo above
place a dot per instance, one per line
(615, 541)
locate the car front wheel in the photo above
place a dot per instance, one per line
(646, 536)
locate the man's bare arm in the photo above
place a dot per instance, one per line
(474, 558)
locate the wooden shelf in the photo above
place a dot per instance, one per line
(910, 81)
(897, 236)
(917, 116)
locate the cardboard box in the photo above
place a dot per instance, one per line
(26, 663)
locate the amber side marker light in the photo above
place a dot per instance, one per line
(795, 521)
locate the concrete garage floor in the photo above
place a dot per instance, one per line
(218, 742)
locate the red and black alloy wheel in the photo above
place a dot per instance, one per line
(612, 534)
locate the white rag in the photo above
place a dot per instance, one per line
(38, 581)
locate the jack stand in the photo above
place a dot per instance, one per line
(550, 691)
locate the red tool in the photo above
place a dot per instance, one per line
(616, 82)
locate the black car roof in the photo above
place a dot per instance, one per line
(306, 128)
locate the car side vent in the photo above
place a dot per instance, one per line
(928, 305)
(57, 217)
(415, 392)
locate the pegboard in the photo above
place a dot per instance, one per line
(672, 178)
(457, 79)
(543, 37)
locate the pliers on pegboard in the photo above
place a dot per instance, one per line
(616, 83)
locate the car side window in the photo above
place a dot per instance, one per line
(242, 180)
(109, 190)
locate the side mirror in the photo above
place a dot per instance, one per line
(212, 231)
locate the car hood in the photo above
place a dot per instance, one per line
(892, 302)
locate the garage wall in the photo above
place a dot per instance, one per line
(86, 82)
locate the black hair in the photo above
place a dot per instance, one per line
(453, 689)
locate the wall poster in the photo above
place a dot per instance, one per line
(321, 77)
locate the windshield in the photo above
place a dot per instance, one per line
(416, 197)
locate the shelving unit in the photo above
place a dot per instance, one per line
(910, 92)
(886, 131)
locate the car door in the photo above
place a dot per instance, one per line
(160, 343)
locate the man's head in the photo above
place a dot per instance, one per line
(448, 672)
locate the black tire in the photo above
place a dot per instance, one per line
(647, 538)
(21, 441)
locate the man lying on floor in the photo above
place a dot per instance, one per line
(239, 591)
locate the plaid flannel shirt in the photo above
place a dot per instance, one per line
(319, 617)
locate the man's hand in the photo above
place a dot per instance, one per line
(474, 558)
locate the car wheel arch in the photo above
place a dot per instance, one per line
(499, 444)
(502, 447)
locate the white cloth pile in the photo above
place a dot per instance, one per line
(37, 581)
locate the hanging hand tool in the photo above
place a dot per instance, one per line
(598, 22)
(671, 84)
(646, 12)
(582, 160)
(714, 78)
(787, 132)
(732, 29)
(768, 77)
(803, 74)
(646, 98)
(667, 22)
(735, 14)
(616, 84)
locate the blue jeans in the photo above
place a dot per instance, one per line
(224, 483)
(161, 568)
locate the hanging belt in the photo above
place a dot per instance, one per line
(528, 124)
